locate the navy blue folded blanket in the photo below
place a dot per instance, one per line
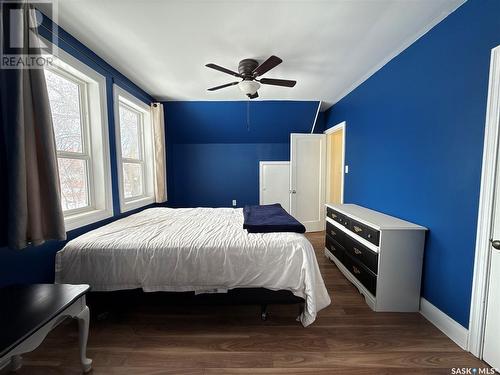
(270, 218)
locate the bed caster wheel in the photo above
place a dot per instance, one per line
(103, 316)
(263, 312)
(301, 311)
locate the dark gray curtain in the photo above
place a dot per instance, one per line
(32, 200)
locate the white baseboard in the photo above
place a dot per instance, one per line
(455, 331)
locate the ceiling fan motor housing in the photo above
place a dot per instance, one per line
(246, 67)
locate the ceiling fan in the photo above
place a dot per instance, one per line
(249, 70)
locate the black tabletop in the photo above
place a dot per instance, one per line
(26, 308)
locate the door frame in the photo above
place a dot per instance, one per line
(264, 162)
(333, 129)
(479, 296)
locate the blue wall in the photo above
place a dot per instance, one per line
(414, 144)
(214, 148)
(37, 264)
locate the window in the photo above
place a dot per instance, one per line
(76, 95)
(66, 95)
(131, 129)
(135, 156)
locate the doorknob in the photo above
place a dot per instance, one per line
(293, 191)
(495, 244)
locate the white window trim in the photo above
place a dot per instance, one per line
(147, 198)
(100, 191)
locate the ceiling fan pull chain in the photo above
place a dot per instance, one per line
(248, 115)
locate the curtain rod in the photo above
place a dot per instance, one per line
(86, 54)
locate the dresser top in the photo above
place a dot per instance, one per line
(373, 218)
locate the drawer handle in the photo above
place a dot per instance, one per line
(369, 235)
(333, 233)
(356, 270)
(357, 229)
(356, 251)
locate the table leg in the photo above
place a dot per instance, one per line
(83, 333)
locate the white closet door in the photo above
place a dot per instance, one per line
(491, 351)
(275, 183)
(307, 179)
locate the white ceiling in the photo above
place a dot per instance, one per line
(329, 47)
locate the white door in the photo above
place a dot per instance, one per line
(307, 180)
(491, 351)
(274, 181)
(491, 343)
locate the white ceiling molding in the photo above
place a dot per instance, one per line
(329, 47)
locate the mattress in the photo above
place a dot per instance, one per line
(193, 249)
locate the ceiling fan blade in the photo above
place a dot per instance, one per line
(267, 65)
(222, 69)
(222, 86)
(278, 82)
(256, 95)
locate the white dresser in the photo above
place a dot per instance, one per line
(381, 255)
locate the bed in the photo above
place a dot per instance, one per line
(205, 250)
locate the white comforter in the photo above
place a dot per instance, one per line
(193, 249)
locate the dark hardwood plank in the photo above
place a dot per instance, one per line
(347, 338)
(325, 371)
(422, 359)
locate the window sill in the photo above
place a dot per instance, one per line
(86, 218)
(137, 203)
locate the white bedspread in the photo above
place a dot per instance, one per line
(193, 249)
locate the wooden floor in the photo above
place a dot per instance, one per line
(347, 338)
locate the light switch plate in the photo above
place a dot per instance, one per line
(234, 202)
(346, 169)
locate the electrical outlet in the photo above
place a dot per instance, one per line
(234, 202)
(346, 169)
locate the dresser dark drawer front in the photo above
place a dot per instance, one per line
(338, 217)
(354, 226)
(345, 221)
(363, 254)
(366, 232)
(335, 248)
(363, 274)
(334, 215)
(335, 233)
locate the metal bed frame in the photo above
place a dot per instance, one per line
(102, 303)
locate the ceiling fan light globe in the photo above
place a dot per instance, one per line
(249, 87)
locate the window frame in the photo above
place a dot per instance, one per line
(141, 159)
(86, 153)
(95, 140)
(123, 97)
